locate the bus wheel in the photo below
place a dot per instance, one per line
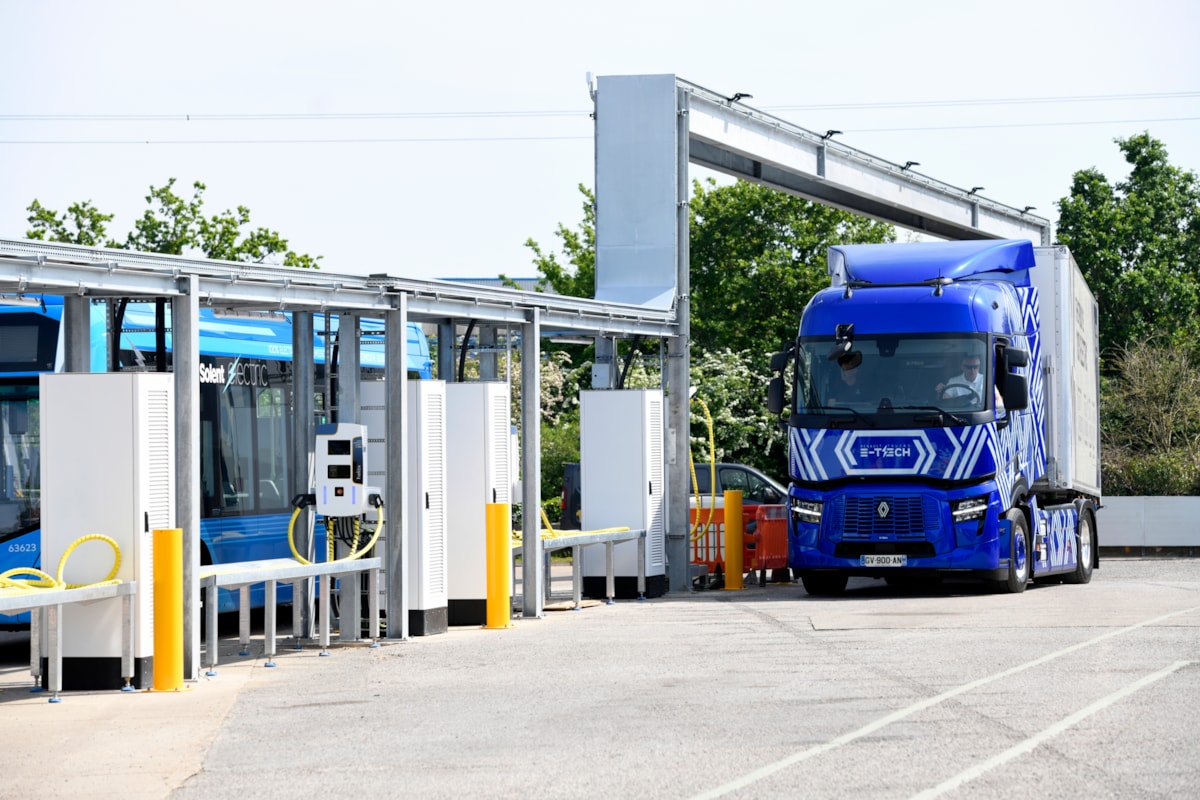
(1018, 554)
(1085, 540)
(824, 583)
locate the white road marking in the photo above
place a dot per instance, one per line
(846, 738)
(1029, 744)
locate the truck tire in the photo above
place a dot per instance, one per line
(824, 584)
(1019, 553)
(1085, 541)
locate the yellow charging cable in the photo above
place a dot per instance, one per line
(354, 554)
(700, 529)
(38, 580)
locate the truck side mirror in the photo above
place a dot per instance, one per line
(1015, 392)
(1015, 357)
(775, 395)
(778, 361)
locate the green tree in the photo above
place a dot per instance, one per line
(81, 224)
(576, 277)
(172, 225)
(1150, 420)
(731, 389)
(1137, 242)
(757, 256)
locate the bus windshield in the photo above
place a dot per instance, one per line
(893, 373)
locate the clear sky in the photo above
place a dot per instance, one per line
(432, 139)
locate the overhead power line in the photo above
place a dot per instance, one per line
(998, 101)
(288, 116)
(1023, 125)
(348, 140)
(441, 139)
(518, 114)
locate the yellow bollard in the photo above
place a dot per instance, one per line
(733, 539)
(168, 610)
(499, 565)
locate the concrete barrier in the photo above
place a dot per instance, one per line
(1149, 522)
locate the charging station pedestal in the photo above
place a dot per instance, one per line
(478, 441)
(622, 484)
(425, 573)
(108, 467)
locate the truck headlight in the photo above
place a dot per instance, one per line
(806, 511)
(969, 509)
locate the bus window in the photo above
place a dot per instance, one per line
(20, 474)
(236, 421)
(271, 436)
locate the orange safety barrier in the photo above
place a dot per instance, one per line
(708, 540)
(769, 538)
(766, 545)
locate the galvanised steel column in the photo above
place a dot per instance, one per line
(348, 371)
(447, 334)
(605, 364)
(532, 565)
(679, 378)
(348, 374)
(488, 357)
(303, 436)
(395, 358)
(77, 333)
(185, 355)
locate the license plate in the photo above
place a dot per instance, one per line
(883, 561)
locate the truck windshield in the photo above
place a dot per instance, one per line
(950, 374)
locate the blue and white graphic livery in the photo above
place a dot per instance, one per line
(936, 395)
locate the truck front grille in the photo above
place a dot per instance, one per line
(894, 516)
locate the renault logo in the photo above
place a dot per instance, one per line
(882, 509)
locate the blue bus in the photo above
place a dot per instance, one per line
(245, 422)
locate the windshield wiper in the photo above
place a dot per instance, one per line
(957, 420)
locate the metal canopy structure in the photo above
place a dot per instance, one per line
(81, 274)
(649, 128)
(729, 137)
(38, 267)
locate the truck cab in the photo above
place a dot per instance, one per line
(919, 424)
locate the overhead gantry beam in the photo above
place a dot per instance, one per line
(732, 138)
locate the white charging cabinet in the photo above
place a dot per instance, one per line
(108, 467)
(622, 484)
(478, 459)
(426, 575)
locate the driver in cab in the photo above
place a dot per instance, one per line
(969, 383)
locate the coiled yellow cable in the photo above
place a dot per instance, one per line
(712, 477)
(39, 580)
(355, 554)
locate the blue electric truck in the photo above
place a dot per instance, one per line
(944, 417)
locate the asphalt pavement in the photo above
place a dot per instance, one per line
(951, 690)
